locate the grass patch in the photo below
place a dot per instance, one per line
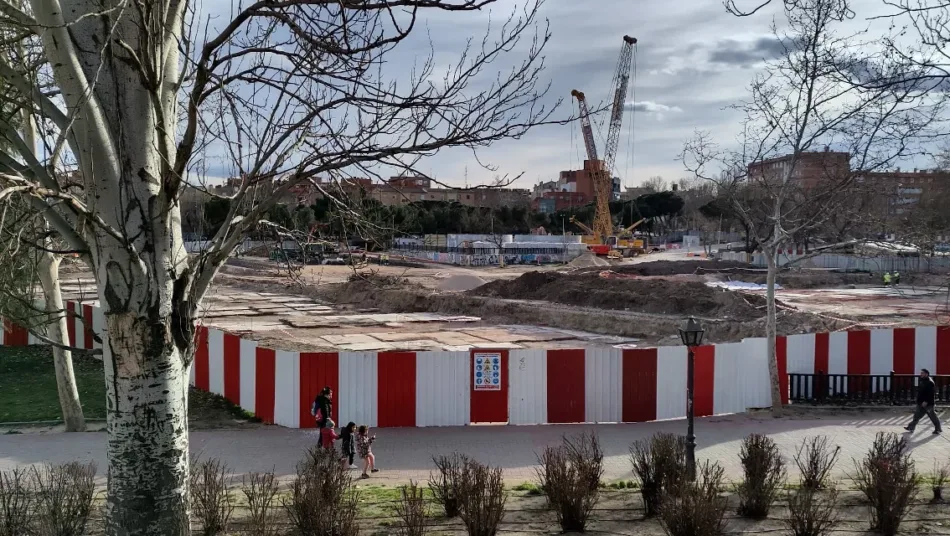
(28, 385)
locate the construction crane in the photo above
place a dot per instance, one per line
(601, 169)
(628, 231)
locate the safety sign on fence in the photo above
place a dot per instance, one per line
(487, 376)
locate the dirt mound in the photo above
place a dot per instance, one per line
(652, 268)
(461, 282)
(588, 260)
(653, 296)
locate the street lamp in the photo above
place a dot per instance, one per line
(692, 336)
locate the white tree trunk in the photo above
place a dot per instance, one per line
(57, 332)
(771, 327)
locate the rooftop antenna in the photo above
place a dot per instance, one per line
(466, 177)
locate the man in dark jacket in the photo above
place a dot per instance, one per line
(322, 408)
(926, 396)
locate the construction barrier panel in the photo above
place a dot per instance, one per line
(523, 386)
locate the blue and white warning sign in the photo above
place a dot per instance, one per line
(486, 375)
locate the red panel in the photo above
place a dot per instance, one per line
(703, 380)
(490, 406)
(264, 391)
(232, 368)
(781, 359)
(639, 385)
(904, 350)
(859, 352)
(822, 345)
(318, 370)
(202, 363)
(565, 386)
(15, 335)
(71, 322)
(396, 389)
(943, 350)
(87, 325)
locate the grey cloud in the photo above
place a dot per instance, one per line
(650, 107)
(746, 53)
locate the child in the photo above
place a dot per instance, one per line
(364, 442)
(348, 435)
(328, 435)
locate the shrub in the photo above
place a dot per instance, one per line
(322, 501)
(210, 499)
(64, 495)
(887, 478)
(569, 474)
(815, 460)
(763, 475)
(260, 491)
(16, 502)
(660, 465)
(695, 508)
(444, 485)
(941, 473)
(411, 510)
(810, 514)
(481, 498)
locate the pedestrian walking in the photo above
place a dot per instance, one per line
(897, 278)
(364, 442)
(328, 435)
(926, 398)
(348, 438)
(322, 407)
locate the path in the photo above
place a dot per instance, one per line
(405, 454)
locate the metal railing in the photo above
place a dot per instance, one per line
(866, 388)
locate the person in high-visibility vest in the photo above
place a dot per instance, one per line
(897, 278)
(887, 279)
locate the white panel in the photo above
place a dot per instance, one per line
(753, 369)
(442, 389)
(728, 387)
(603, 384)
(216, 361)
(670, 382)
(925, 348)
(33, 340)
(882, 351)
(801, 353)
(248, 374)
(191, 375)
(99, 325)
(838, 352)
(286, 388)
(358, 389)
(528, 387)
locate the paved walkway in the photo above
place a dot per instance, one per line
(406, 453)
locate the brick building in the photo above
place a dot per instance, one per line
(810, 171)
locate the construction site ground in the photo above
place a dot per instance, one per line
(638, 302)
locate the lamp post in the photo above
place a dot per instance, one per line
(692, 336)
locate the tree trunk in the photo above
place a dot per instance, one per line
(147, 402)
(57, 332)
(771, 327)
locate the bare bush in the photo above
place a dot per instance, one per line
(887, 478)
(16, 502)
(941, 473)
(569, 474)
(481, 498)
(660, 465)
(64, 495)
(411, 510)
(210, 480)
(763, 475)
(260, 491)
(810, 513)
(445, 483)
(322, 500)
(815, 459)
(695, 508)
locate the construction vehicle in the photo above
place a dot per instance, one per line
(619, 245)
(602, 169)
(304, 253)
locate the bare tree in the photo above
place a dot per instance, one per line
(139, 95)
(655, 184)
(785, 182)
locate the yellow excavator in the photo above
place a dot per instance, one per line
(617, 246)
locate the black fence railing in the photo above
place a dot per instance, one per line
(867, 388)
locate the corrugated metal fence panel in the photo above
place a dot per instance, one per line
(248, 374)
(603, 374)
(728, 379)
(99, 325)
(287, 389)
(671, 382)
(754, 374)
(528, 391)
(801, 353)
(882, 351)
(359, 383)
(216, 361)
(838, 352)
(925, 348)
(442, 388)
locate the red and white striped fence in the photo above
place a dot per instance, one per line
(388, 389)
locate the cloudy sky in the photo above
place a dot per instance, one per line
(694, 60)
